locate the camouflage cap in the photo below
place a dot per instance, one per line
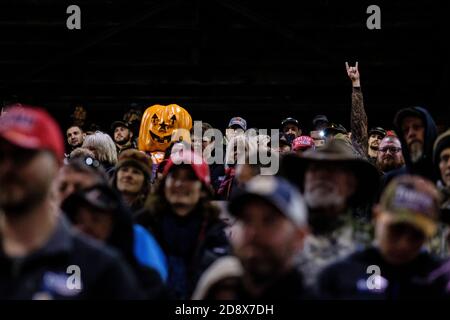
(413, 200)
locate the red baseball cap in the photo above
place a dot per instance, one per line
(302, 143)
(32, 128)
(188, 157)
(390, 133)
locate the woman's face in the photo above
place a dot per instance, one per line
(182, 190)
(130, 180)
(94, 223)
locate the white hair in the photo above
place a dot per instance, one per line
(243, 145)
(103, 145)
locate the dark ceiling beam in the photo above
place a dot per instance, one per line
(270, 25)
(152, 11)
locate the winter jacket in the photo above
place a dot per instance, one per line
(122, 238)
(441, 278)
(190, 244)
(229, 270)
(424, 167)
(45, 273)
(356, 278)
(148, 252)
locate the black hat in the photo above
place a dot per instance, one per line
(442, 142)
(120, 123)
(100, 196)
(290, 120)
(378, 130)
(320, 118)
(334, 129)
(406, 112)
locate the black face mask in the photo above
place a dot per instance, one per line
(290, 138)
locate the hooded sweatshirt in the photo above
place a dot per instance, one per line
(122, 238)
(424, 166)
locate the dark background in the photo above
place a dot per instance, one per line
(262, 60)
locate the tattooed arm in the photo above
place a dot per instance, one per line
(358, 121)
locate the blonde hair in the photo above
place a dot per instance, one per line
(103, 145)
(81, 152)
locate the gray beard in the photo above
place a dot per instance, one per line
(318, 200)
(325, 211)
(416, 152)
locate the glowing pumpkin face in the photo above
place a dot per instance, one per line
(158, 124)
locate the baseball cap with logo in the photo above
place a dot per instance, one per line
(413, 200)
(120, 123)
(238, 121)
(320, 119)
(378, 130)
(277, 191)
(192, 159)
(303, 143)
(32, 128)
(291, 121)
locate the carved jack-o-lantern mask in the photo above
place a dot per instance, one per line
(158, 124)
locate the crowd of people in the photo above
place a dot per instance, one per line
(349, 214)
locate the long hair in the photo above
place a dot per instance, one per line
(143, 193)
(157, 204)
(104, 146)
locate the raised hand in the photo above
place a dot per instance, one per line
(353, 74)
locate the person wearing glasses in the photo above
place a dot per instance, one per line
(389, 155)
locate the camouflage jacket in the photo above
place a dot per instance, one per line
(321, 250)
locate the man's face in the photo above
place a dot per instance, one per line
(130, 180)
(374, 142)
(94, 223)
(292, 129)
(267, 240)
(25, 177)
(75, 136)
(205, 143)
(182, 189)
(79, 113)
(390, 155)
(399, 243)
(413, 131)
(328, 186)
(444, 166)
(70, 181)
(122, 135)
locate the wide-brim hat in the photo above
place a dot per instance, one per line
(293, 167)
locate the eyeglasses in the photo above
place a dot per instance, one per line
(390, 149)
